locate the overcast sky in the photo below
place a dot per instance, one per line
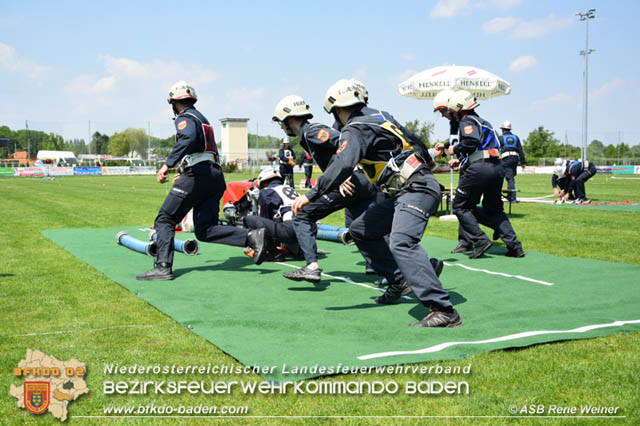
(64, 63)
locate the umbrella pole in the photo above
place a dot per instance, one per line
(450, 217)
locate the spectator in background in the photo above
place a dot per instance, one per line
(307, 163)
(510, 150)
(287, 161)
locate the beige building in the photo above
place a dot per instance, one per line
(234, 145)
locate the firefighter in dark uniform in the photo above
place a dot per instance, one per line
(307, 163)
(482, 177)
(355, 194)
(441, 105)
(578, 172)
(287, 161)
(395, 160)
(200, 186)
(560, 181)
(510, 151)
(274, 211)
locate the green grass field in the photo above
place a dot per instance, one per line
(47, 290)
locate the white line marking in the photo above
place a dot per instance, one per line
(486, 271)
(536, 200)
(624, 178)
(524, 334)
(347, 280)
(85, 331)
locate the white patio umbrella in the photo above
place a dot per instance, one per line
(428, 83)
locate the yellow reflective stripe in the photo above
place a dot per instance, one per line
(372, 169)
(390, 127)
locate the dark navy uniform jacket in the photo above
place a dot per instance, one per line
(470, 134)
(575, 169)
(320, 141)
(511, 142)
(370, 138)
(285, 154)
(559, 182)
(190, 138)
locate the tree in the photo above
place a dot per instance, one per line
(611, 151)
(541, 143)
(595, 149)
(424, 130)
(119, 145)
(53, 142)
(99, 143)
(77, 146)
(129, 141)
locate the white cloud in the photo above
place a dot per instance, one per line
(125, 76)
(540, 27)
(409, 58)
(405, 75)
(608, 87)
(10, 62)
(449, 8)
(452, 8)
(497, 25)
(523, 63)
(104, 84)
(241, 100)
(507, 4)
(558, 98)
(124, 66)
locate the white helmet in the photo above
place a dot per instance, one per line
(462, 100)
(506, 125)
(360, 85)
(291, 106)
(558, 167)
(441, 101)
(558, 171)
(343, 93)
(182, 90)
(267, 174)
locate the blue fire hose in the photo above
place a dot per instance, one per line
(189, 246)
(124, 239)
(338, 234)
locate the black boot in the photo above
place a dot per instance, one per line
(304, 274)
(517, 252)
(258, 241)
(440, 319)
(461, 247)
(394, 292)
(162, 271)
(479, 249)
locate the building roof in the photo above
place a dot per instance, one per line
(223, 120)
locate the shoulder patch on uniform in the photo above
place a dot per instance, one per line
(323, 135)
(343, 146)
(468, 129)
(182, 125)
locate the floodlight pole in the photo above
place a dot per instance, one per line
(590, 14)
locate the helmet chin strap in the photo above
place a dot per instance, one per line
(336, 117)
(175, 110)
(288, 130)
